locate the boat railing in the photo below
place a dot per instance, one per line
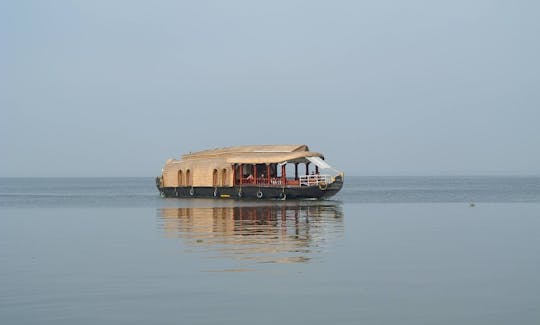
(262, 181)
(308, 180)
(279, 181)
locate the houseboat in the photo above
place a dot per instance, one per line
(250, 172)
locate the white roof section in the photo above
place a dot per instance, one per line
(319, 162)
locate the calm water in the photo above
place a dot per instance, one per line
(387, 250)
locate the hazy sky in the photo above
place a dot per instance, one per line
(114, 88)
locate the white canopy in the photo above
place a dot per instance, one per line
(319, 162)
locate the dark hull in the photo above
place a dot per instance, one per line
(253, 192)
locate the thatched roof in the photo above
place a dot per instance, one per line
(255, 154)
(198, 168)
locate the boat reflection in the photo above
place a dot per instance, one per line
(261, 233)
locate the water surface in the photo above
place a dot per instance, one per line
(384, 251)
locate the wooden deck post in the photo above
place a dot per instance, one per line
(241, 173)
(295, 171)
(283, 175)
(255, 173)
(268, 172)
(307, 168)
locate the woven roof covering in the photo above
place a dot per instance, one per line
(255, 154)
(199, 168)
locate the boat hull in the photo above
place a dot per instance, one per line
(252, 192)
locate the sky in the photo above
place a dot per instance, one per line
(114, 88)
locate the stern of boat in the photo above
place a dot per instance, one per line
(159, 185)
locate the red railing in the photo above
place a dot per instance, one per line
(273, 181)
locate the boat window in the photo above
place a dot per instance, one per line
(189, 180)
(278, 171)
(289, 170)
(215, 177)
(224, 177)
(247, 169)
(261, 170)
(180, 178)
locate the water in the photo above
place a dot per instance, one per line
(386, 250)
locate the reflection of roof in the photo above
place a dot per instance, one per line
(255, 154)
